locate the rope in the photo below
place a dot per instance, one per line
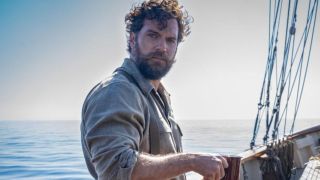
(280, 88)
(308, 61)
(270, 62)
(287, 46)
(272, 56)
(279, 161)
(299, 69)
(245, 174)
(275, 114)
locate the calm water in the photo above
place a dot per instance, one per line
(52, 150)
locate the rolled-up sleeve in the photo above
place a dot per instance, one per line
(114, 125)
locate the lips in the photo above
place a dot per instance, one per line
(158, 55)
(158, 60)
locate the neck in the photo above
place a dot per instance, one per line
(155, 84)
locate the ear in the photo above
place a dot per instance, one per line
(132, 40)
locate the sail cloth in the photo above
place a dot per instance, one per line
(291, 31)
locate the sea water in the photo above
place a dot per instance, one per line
(52, 149)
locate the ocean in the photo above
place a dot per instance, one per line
(32, 150)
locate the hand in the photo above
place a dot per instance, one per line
(210, 166)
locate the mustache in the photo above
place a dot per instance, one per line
(158, 55)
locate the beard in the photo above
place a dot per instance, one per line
(153, 65)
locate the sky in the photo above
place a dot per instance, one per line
(52, 52)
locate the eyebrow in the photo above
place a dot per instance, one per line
(152, 31)
(156, 32)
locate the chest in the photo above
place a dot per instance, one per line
(163, 134)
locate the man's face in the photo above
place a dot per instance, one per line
(154, 49)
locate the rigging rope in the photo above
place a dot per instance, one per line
(273, 113)
(299, 92)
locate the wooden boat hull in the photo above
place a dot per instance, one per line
(306, 144)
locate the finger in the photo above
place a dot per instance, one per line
(208, 178)
(219, 170)
(224, 161)
(222, 173)
(216, 176)
(216, 173)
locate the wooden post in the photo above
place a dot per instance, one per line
(233, 171)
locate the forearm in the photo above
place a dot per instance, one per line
(162, 167)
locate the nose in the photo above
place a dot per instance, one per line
(162, 46)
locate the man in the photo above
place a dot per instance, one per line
(128, 130)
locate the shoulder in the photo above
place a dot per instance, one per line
(117, 92)
(114, 99)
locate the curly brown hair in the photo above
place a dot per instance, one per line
(161, 11)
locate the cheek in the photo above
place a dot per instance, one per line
(173, 51)
(146, 42)
(145, 47)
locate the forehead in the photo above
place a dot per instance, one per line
(153, 25)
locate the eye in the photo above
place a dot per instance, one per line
(172, 40)
(153, 35)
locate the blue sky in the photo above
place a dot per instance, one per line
(52, 52)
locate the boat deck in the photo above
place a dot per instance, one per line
(312, 170)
